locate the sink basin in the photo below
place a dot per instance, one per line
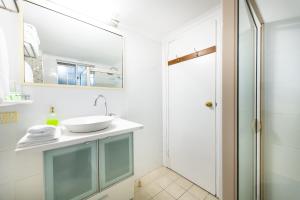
(88, 124)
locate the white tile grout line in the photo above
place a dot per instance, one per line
(164, 189)
(174, 181)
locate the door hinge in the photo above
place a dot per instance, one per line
(256, 125)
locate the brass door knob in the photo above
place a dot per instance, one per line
(209, 104)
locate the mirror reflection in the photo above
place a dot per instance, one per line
(62, 50)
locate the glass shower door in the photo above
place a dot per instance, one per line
(281, 130)
(247, 104)
(269, 164)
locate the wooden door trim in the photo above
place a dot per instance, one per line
(196, 54)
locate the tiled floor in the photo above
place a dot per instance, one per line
(165, 184)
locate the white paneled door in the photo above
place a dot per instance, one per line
(192, 145)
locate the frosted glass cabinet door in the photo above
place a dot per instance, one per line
(115, 159)
(71, 173)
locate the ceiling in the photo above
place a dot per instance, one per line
(154, 18)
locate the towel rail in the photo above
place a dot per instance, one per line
(12, 7)
(29, 50)
(196, 54)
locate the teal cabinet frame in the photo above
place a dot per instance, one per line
(115, 159)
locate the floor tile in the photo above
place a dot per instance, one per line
(147, 179)
(172, 175)
(163, 196)
(136, 186)
(188, 196)
(142, 195)
(211, 197)
(184, 183)
(137, 189)
(175, 190)
(166, 184)
(154, 175)
(198, 192)
(153, 189)
(161, 171)
(164, 181)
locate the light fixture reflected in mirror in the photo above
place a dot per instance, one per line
(105, 11)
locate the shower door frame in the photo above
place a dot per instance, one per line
(257, 124)
(259, 68)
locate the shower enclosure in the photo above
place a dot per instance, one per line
(269, 100)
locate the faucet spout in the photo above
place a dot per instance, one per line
(100, 96)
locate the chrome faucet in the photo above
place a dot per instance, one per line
(105, 102)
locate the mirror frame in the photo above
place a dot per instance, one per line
(76, 16)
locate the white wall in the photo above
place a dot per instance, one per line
(6, 19)
(49, 69)
(140, 101)
(281, 111)
(143, 81)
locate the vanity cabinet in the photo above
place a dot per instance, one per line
(79, 171)
(71, 172)
(115, 159)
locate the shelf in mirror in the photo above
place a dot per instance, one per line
(15, 103)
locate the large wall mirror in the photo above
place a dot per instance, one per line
(63, 50)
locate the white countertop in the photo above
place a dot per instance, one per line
(118, 126)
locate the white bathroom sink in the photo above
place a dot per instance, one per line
(88, 124)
